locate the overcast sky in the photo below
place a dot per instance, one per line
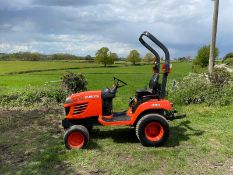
(81, 27)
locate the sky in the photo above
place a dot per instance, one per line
(81, 27)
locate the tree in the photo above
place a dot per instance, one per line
(35, 57)
(104, 56)
(134, 57)
(202, 58)
(187, 58)
(213, 39)
(114, 56)
(149, 57)
(88, 57)
(228, 59)
(229, 55)
(162, 59)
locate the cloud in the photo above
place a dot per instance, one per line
(15, 4)
(68, 2)
(6, 47)
(82, 27)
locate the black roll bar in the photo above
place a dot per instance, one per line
(167, 57)
(150, 49)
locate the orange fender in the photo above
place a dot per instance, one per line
(150, 105)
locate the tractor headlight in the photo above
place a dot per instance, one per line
(68, 100)
(172, 104)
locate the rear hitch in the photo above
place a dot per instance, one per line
(170, 115)
(180, 116)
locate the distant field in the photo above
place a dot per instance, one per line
(98, 76)
(21, 66)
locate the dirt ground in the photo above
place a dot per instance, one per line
(26, 136)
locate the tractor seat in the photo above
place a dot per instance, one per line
(107, 94)
(145, 95)
(143, 92)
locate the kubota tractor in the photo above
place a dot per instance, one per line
(148, 111)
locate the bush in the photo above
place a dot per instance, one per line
(189, 90)
(220, 77)
(73, 83)
(202, 58)
(229, 61)
(196, 88)
(47, 95)
(198, 69)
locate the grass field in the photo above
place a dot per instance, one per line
(98, 77)
(31, 140)
(14, 67)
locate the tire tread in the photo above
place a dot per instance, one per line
(81, 129)
(139, 128)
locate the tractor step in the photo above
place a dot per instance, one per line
(117, 116)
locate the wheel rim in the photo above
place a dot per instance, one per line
(75, 140)
(154, 131)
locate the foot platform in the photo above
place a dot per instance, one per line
(116, 117)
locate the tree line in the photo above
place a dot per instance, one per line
(34, 56)
(106, 57)
(103, 56)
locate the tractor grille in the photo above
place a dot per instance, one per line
(80, 108)
(67, 110)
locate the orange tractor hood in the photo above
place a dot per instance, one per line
(86, 96)
(84, 104)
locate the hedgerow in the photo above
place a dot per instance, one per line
(199, 88)
(31, 96)
(47, 95)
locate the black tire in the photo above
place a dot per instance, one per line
(76, 137)
(160, 135)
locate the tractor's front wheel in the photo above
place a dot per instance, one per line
(76, 137)
(152, 130)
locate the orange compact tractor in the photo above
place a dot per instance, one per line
(148, 111)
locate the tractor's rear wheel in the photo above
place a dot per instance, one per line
(76, 137)
(152, 130)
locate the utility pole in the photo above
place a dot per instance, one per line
(213, 39)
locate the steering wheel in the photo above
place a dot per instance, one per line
(119, 83)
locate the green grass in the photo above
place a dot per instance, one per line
(12, 67)
(98, 77)
(31, 141)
